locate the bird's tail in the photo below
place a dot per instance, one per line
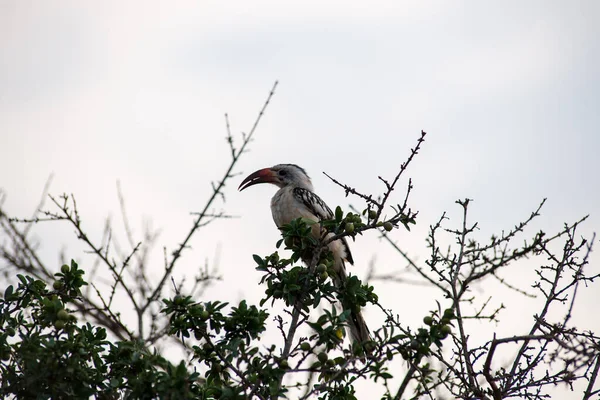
(358, 327)
(359, 331)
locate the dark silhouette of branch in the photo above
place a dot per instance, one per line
(216, 192)
(128, 269)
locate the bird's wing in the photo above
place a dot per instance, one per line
(321, 210)
(313, 203)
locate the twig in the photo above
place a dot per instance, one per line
(407, 378)
(216, 192)
(592, 380)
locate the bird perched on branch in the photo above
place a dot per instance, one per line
(296, 199)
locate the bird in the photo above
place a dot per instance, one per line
(296, 199)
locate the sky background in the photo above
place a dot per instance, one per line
(136, 92)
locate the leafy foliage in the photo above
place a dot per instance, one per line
(44, 348)
(46, 352)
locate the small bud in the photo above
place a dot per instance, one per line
(388, 226)
(65, 269)
(197, 308)
(322, 357)
(63, 315)
(446, 329)
(305, 346)
(349, 227)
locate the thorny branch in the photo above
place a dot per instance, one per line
(216, 192)
(327, 239)
(141, 293)
(546, 345)
(549, 353)
(470, 368)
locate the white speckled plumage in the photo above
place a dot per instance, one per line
(296, 199)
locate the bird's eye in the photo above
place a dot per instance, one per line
(282, 173)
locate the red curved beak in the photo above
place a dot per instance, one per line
(265, 175)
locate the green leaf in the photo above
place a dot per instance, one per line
(8, 292)
(309, 222)
(339, 214)
(258, 259)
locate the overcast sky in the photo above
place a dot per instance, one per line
(136, 91)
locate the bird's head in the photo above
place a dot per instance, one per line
(281, 175)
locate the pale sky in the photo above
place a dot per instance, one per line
(507, 91)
